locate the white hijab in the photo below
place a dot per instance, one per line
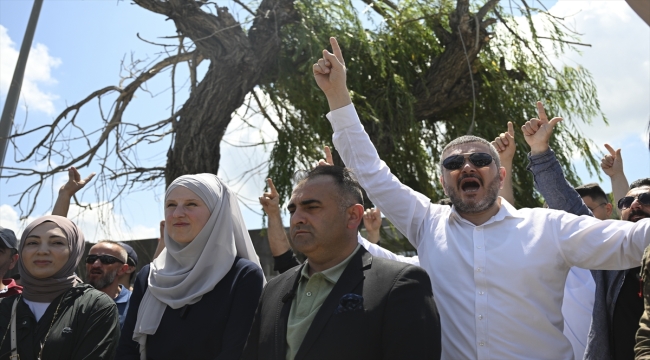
(183, 273)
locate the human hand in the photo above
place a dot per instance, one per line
(329, 161)
(537, 132)
(612, 164)
(74, 183)
(505, 144)
(329, 73)
(372, 223)
(270, 200)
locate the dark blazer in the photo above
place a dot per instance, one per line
(392, 315)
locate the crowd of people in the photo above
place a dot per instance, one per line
(490, 281)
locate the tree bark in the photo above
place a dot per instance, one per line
(237, 64)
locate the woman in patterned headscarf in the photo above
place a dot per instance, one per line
(197, 299)
(56, 316)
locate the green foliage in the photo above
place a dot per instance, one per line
(384, 62)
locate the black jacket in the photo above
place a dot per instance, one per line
(216, 327)
(378, 309)
(87, 327)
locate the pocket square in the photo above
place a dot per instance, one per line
(349, 302)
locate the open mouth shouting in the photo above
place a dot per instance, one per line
(470, 184)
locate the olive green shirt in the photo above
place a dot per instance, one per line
(312, 292)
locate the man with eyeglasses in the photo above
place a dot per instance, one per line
(105, 264)
(498, 273)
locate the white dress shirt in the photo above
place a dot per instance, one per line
(579, 293)
(498, 285)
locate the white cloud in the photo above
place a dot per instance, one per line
(98, 223)
(37, 73)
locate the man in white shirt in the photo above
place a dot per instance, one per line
(498, 273)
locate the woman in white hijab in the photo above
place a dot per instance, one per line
(197, 299)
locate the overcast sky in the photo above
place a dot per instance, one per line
(79, 45)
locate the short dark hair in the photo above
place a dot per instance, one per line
(594, 191)
(14, 251)
(466, 139)
(350, 190)
(639, 183)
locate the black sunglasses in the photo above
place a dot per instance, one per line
(455, 162)
(104, 259)
(627, 201)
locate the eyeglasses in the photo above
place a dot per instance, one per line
(104, 259)
(627, 201)
(592, 210)
(455, 162)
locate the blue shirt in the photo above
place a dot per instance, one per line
(122, 301)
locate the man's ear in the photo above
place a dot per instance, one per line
(355, 216)
(502, 176)
(122, 270)
(609, 208)
(130, 269)
(14, 261)
(442, 182)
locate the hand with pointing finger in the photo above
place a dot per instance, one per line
(505, 144)
(270, 200)
(537, 132)
(612, 164)
(329, 72)
(329, 161)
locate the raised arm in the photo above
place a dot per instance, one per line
(67, 191)
(283, 256)
(506, 146)
(372, 223)
(546, 169)
(612, 165)
(406, 208)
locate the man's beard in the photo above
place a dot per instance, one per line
(103, 281)
(482, 205)
(634, 213)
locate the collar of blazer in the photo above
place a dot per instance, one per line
(352, 276)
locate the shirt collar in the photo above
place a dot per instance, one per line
(505, 210)
(122, 296)
(332, 274)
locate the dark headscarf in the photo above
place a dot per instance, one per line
(47, 289)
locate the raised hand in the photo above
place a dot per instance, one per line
(537, 132)
(329, 72)
(270, 200)
(74, 183)
(329, 161)
(372, 223)
(612, 164)
(505, 144)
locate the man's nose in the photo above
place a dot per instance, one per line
(636, 204)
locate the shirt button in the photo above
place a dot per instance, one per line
(479, 228)
(479, 247)
(481, 343)
(480, 317)
(308, 293)
(479, 269)
(481, 292)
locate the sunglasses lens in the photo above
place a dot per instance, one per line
(625, 202)
(454, 162)
(481, 159)
(644, 199)
(91, 259)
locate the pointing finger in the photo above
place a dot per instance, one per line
(541, 112)
(336, 49)
(274, 192)
(511, 129)
(610, 149)
(90, 177)
(328, 155)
